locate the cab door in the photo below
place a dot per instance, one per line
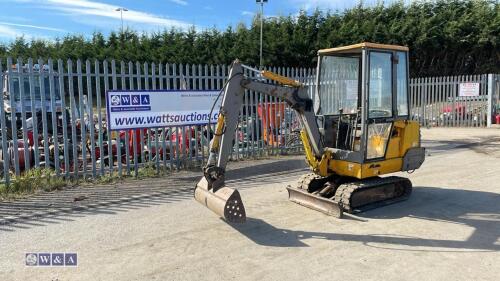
(387, 99)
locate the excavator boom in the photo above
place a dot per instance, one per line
(211, 190)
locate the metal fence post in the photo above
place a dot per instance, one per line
(114, 87)
(3, 129)
(22, 96)
(13, 115)
(123, 86)
(99, 115)
(65, 121)
(109, 133)
(424, 102)
(81, 104)
(491, 88)
(134, 139)
(90, 116)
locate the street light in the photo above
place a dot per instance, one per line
(261, 2)
(121, 10)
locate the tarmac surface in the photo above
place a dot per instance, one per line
(154, 230)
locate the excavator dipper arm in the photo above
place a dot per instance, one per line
(211, 190)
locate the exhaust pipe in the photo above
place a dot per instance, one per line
(224, 201)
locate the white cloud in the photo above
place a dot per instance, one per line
(180, 2)
(8, 32)
(252, 14)
(325, 4)
(247, 13)
(88, 8)
(32, 26)
(92, 8)
(11, 18)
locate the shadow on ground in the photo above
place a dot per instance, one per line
(54, 207)
(485, 145)
(476, 209)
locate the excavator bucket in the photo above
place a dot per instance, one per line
(315, 202)
(225, 201)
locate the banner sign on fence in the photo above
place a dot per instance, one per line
(468, 90)
(154, 109)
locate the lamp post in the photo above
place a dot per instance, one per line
(261, 2)
(121, 10)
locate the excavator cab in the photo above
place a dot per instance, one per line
(360, 91)
(355, 129)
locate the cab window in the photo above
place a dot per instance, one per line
(402, 82)
(380, 85)
(338, 84)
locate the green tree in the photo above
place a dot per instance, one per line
(445, 37)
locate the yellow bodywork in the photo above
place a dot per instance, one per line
(280, 79)
(404, 135)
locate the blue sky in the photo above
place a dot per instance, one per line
(49, 19)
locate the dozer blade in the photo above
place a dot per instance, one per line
(309, 200)
(226, 202)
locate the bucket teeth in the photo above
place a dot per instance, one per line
(226, 201)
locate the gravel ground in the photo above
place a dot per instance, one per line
(153, 230)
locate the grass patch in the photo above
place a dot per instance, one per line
(46, 179)
(148, 171)
(108, 178)
(31, 181)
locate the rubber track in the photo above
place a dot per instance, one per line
(306, 180)
(345, 192)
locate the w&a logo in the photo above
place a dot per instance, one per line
(51, 259)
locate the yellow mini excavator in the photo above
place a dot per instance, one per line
(355, 129)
